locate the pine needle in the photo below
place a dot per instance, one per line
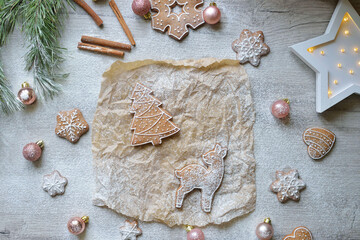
(42, 24)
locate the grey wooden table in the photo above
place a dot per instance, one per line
(330, 204)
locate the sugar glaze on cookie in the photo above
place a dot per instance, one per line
(206, 177)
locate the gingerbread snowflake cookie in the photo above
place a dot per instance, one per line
(71, 125)
(54, 183)
(319, 140)
(177, 24)
(130, 230)
(207, 177)
(151, 123)
(250, 47)
(287, 185)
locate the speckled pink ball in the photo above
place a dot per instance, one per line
(76, 225)
(141, 7)
(212, 14)
(280, 109)
(195, 234)
(264, 231)
(32, 152)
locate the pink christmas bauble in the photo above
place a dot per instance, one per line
(212, 14)
(280, 109)
(141, 7)
(76, 225)
(32, 152)
(195, 234)
(264, 231)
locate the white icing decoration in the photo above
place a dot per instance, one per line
(54, 183)
(287, 185)
(70, 125)
(130, 230)
(206, 177)
(250, 47)
(25, 95)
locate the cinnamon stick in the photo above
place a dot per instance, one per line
(99, 49)
(105, 43)
(91, 12)
(122, 21)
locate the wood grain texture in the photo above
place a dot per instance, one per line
(329, 206)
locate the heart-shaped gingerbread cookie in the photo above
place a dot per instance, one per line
(319, 141)
(299, 233)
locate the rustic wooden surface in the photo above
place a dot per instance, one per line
(329, 206)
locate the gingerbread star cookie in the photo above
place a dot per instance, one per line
(319, 140)
(177, 24)
(130, 230)
(287, 185)
(71, 125)
(207, 177)
(250, 47)
(299, 233)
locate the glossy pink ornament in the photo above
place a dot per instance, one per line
(26, 94)
(141, 7)
(280, 108)
(32, 151)
(195, 234)
(264, 231)
(77, 225)
(212, 14)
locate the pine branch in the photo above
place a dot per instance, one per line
(9, 12)
(42, 24)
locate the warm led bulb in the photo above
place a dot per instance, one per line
(356, 49)
(346, 19)
(342, 50)
(311, 50)
(346, 32)
(359, 62)
(351, 71)
(335, 82)
(329, 92)
(322, 53)
(339, 65)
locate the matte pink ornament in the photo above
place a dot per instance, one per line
(280, 109)
(141, 7)
(212, 14)
(264, 231)
(195, 234)
(77, 225)
(32, 151)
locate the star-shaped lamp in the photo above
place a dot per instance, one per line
(335, 56)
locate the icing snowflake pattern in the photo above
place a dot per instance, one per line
(250, 47)
(71, 125)
(54, 183)
(130, 230)
(177, 24)
(287, 185)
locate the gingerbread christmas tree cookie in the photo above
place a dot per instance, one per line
(176, 23)
(151, 123)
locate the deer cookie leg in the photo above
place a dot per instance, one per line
(206, 200)
(180, 194)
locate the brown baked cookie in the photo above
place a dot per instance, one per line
(299, 233)
(319, 140)
(71, 125)
(177, 24)
(250, 46)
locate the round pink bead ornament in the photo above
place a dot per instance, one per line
(32, 151)
(264, 231)
(212, 14)
(26, 94)
(194, 234)
(77, 225)
(280, 108)
(141, 8)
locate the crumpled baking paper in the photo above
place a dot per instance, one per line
(210, 100)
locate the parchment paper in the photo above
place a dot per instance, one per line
(210, 100)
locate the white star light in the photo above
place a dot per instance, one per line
(335, 57)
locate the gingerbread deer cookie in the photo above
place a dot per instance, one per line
(151, 123)
(177, 24)
(206, 178)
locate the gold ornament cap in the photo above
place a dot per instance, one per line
(267, 220)
(25, 85)
(40, 143)
(213, 4)
(85, 219)
(188, 228)
(147, 16)
(286, 100)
